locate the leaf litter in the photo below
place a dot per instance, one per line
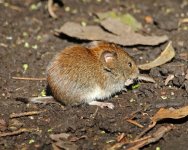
(126, 19)
(141, 141)
(111, 30)
(164, 57)
(64, 141)
(115, 29)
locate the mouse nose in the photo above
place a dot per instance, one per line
(135, 80)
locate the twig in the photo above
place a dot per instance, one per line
(30, 79)
(146, 130)
(135, 123)
(30, 113)
(16, 132)
(152, 138)
(139, 143)
(50, 9)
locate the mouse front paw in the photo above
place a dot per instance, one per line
(102, 104)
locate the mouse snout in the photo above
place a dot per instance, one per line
(135, 80)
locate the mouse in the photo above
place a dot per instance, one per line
(90, 73)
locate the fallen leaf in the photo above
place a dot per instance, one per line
(63, 141)
(66, 145)
(182, 21)
(109, 14)
(126, 19)
(145, 77)
(156, 136)
(112, 24)
(61, 136)
(170, 113)
(164, 57)
(97, 33)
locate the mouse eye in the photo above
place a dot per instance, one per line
(130, 64)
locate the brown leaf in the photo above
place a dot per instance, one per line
(156, 136)
(145, 77)
(57, 137)
(164, 57)
(66, 145)
(170, 113)
(97, 33)
(113, 24)
(62, 141)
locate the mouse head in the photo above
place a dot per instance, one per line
(115, 61)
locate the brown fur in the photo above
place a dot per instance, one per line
(76, 71)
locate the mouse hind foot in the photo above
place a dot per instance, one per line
(102, 104)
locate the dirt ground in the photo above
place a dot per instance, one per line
(27, 40)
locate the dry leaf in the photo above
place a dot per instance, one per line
(185, 20)
(113, 24)
(97, 33)
(145, 77)
(61, 136)
(61, 141)
(156, 136)
(164, 57)
(170, 113)
(126, 19)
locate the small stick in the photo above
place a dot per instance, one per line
(152, 125)
(30, 113)
(50, 9)
(152, 138)
(16, 132)
(135, 123)
(30, 79)
(139, 143)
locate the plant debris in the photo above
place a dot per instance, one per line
(64, 141)
(169, 78)
(165, 114)
(16, 132)
(164, 57)
(145, 77)
(170, 113)
(122, 34)
(30, 113)
(139, 143)
(28, 78)
(156, 136)
(126, 19)
(50, 9)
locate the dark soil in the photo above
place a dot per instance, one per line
(21, 25)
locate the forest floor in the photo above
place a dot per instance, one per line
(27, 44)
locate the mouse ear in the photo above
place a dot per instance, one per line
(109, 56)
